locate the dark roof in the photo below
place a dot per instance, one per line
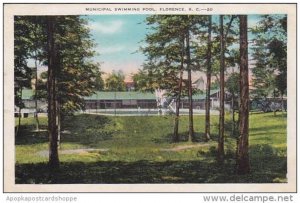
(121, 96)
(28, 94)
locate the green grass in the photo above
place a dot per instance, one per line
(138, 151)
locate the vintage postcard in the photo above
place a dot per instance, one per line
(150, 97)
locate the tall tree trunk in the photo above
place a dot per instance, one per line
(222, 84)
(208, 83)
(36, 78)
(190, 95)
(243, 164)
(52, 63)
(176, 137)
(36, 100)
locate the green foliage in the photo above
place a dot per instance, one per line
(41, 88)
(142, 81)
(270, 55)
(22, 48)
(140, 150)
(231, 52)
(165, 51)
(115, 81)
(215, 85)
(232, 83)
(76, 75)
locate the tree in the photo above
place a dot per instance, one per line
(52, 66)
(208, 83)
(243, 163)
(115, 81)
(22, 73)
(29, 29)
(221, 117)
(140, 80)
(209, 52)
(176, 125)
(41, 90)
(99, 82)
(232, 86)
(223, 39)
(37, 41)
(278, 50)
(66, 48)
(189, 72)
(270, 56)
(166, 51)
(175, 37)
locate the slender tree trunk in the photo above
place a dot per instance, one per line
(243, 164)
(36, 81)
(19, 114)
(208, 83)
(274, 98)
(57, 96)
(52, 63)
(36, 100)
(58, 120)
(190, 95)
(232, 115)
(176, 137)
(222, 84)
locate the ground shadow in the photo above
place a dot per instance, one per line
(87, 129)
(28, 135)
(81, 129)
(267, 166)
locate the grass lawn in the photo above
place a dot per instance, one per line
(140, 150)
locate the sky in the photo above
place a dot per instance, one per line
(118, 38)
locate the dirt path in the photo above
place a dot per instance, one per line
(45, 153)
(183, 147)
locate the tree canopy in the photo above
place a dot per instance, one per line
(270, 56)
(115, 81)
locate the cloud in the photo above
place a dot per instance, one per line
(111, 49)
(110, 27)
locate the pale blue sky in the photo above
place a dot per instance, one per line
(118, 37)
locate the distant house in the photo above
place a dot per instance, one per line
(129, 86)
(29, 104)
(199, 100)
(134, 99)
(110, 100)
(199, 84)
(125, 100)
